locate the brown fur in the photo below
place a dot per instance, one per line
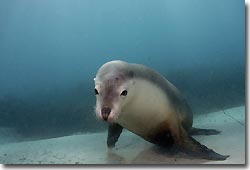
(173, 132)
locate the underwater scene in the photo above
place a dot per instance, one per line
(122, 82)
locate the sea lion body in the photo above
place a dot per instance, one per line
(137, 98)
(145, 103)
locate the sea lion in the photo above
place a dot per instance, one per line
(137, 98)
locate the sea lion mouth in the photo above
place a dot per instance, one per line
(105, 113)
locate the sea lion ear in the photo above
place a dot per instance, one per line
(133, 82)
(131, 74)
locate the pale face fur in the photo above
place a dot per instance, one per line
(142, 110)
(110, 88)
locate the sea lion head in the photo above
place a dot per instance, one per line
(113, 90)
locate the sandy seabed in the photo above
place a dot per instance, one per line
(131, 149)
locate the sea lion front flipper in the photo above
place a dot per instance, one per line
(189, 145)
(114, 132)
(194, 148)
(198, 131)
(185, 143)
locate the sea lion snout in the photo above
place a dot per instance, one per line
(105, 113)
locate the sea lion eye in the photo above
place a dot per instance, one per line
(96, 92)
(124, 93)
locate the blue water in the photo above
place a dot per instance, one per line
(50, 51)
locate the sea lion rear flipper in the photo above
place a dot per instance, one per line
(114, 132)
(194, 148)
(198, 131)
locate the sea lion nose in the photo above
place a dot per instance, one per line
(105, 113)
